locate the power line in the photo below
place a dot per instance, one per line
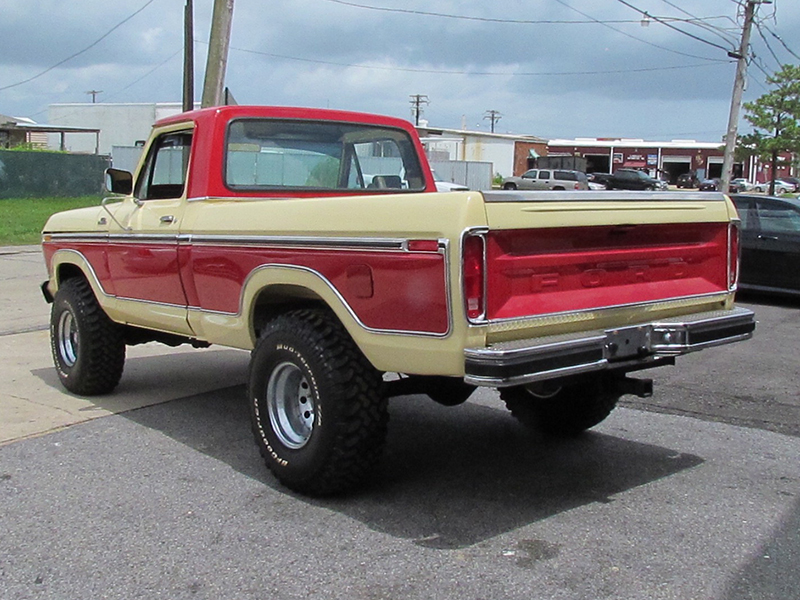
(484, 19)
(701, 22)
(766, 43)
(460, 17)
(481, 73)
(130, 85)
(777, 37)
(678, 29)
(92, 45)
(639, 39)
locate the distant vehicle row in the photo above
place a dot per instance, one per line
(555, 179)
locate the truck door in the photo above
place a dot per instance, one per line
(143, 253)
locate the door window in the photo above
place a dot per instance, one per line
(164, 173)
(777, 217)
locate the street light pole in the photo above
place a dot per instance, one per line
(738, 90)
(188, 56)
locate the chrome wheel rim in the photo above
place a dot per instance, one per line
(67, 337)
(290, 405)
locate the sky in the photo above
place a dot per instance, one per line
(550, 68)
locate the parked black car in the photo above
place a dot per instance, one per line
(631, 179)
(770, 243)
(709, 185)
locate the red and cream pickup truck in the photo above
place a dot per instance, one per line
(316, 240)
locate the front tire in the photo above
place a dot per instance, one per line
(88, 348)
(318, 413)
(561, 410)
(510, 186)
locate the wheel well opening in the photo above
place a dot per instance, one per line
(278, 299)
(68, 271)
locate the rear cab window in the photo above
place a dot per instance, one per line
(274, 154)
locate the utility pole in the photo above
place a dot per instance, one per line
(188, 56)
(417, 100)
(494, 116)
(738, 89)
(218, 45)
(93, 94)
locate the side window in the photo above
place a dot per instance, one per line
(164, 173)
(544, 174)
(529, 174)
(565, 175)
(778, 217)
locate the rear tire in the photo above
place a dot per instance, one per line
(318, 413)
(510, 186)
(561, 410)
(88, 348)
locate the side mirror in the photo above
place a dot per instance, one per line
(119, 181)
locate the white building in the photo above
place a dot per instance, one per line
(501, 149)
(125, 124)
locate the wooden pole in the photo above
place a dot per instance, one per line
(217, 53)
(738, 89)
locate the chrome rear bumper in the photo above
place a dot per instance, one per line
(625, 348)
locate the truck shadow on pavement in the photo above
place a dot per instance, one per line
(772, 573)
(451, 477)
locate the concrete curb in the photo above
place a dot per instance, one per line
(5, 250)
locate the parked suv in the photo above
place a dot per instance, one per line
(547, 179)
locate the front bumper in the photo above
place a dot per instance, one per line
(624, 349)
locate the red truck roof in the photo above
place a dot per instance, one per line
(227, 113)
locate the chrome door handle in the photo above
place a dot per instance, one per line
(167, 219)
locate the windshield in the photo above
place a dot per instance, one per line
(274, 154)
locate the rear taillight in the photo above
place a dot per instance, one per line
(577, 186)
(473, 272)
(734, 255)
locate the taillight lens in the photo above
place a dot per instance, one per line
(473, 273)
(734, 255)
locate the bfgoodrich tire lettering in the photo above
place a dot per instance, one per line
(562, 410)
(318, 414)
(88, 348)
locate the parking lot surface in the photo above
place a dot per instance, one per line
(157, 491)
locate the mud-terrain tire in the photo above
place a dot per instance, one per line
(318, 412)
(88, 348)
(561, 411)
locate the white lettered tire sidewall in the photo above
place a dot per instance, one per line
(291, 464)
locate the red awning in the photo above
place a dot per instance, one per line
(634, 164)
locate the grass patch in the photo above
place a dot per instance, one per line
(22, 219)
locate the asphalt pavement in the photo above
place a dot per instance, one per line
(158, 491)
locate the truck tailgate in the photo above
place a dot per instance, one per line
(554, 252)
